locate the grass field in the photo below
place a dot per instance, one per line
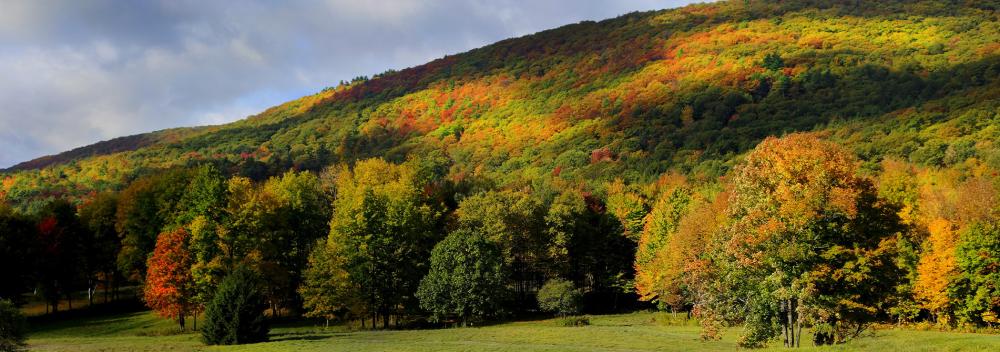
(142, 331)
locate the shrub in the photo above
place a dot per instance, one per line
(12, 327)
(574, 321)
(236, 313)
(560, 296)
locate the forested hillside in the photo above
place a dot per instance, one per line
(626, 160)
(630, 97)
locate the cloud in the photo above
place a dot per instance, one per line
(76, 72)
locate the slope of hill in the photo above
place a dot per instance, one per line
(687, 89)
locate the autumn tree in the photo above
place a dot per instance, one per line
(937, 269)
(327, 291)
(169, 287)
(809, 242)
(383, 230)
(658, 261)
(298, 214)
(670, 263)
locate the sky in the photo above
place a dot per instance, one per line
(73, 73)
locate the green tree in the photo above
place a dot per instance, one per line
(976, 290)
(144, 208)
(515, 221)
(297, 215)
(326, 289)
(383, 231)
(466, 278)
(236, 314)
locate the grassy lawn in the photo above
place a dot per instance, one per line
(143, 331)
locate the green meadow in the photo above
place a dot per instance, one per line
(143, 331)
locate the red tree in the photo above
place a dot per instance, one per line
(169, 285)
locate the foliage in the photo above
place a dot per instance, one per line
(467, 278)
(809, 242)
(326, 288)
(236, 314)
(382, 233)
(560, 296)
(169, 285)
(976, 291)
(13, 330)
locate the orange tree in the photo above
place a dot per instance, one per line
(169, 286)
(808, 243)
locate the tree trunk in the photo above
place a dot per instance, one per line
(180, 320)
(784, 324)
(791, 319)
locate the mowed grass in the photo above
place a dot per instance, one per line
(143, 331)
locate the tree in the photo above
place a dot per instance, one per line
(560, 296)
(60, 241)
(326, 290)
(514, 220)
(236, 314)
(144, 208)
(466, 278)
(298, 213)
(937, 268)
(383, 230)
(12, 327)
(18, 252)
(976, 288)
(659, 262)
(102, 245)
(808, 242)
(169, 286)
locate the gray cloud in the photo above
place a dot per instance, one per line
(76, 72)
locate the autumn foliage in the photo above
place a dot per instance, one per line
(169, 285)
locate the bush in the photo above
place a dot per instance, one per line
(560, 296)
(12, 327)
(574, 321)
(236, 313)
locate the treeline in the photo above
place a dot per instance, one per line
(349, 242)
(797, 235)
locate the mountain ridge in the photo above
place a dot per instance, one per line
(631, 97)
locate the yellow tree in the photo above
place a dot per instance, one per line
(937, 267)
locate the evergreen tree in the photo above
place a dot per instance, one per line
(236, 314)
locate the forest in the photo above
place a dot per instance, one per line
(767, 167)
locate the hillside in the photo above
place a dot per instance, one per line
(687, 89)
